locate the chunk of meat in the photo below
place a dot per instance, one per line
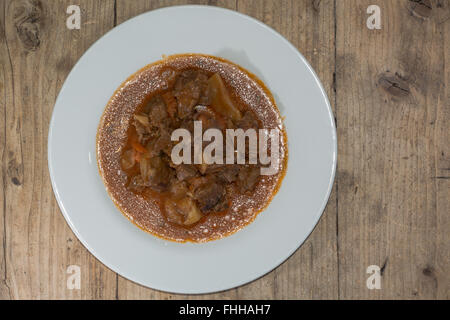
(156, 173)
(171, 104)
(248, 121)
(195, 182)
(228, 173)
(152, 103)
(189, 88)
(158, 114)
(136, 184)
(145, 130)
(209, 118)
(142, 132)
(205, 91)
(224, 172)
(184, 78)
(178, 190)
(185, 171)
(209, 195)
(183, 211)
(221, 205)
(163, 143)
(187, 99)
(188, 125)
(173, 214)
(247, 178)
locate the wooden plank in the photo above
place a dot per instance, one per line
(312, 271)
(393, 120)
(37, 53)
(5, 90)
(128, 9)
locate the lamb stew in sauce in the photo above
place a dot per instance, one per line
(186, 202)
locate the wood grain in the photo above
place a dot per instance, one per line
(393, 186)
(37, 53)
(390, 95)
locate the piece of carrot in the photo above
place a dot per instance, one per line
(138, 147)
(137, 156)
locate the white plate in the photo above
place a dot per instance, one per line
(218, 265)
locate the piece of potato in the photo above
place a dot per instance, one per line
(193, 214)
(128, 159)
(221, 101)
(143, 119)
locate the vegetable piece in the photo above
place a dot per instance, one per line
(137, 156)
(144, 166)
(128, 159)
(142, 119)
(138, 147)
(193, 213)
(140, 133)
(221, 101)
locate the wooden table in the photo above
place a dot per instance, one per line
(390, 91)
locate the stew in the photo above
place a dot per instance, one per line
(186, 201)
